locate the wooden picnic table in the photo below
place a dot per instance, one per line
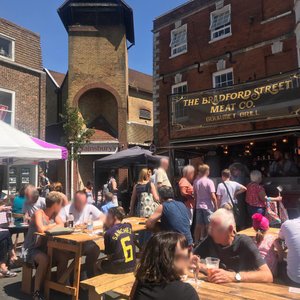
(252, 233)
(230, 291)
(74, 243)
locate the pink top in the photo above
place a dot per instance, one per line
(267, 251)
(252, 195)
(187, 192)
(203, 188)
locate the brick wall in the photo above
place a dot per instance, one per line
(27, 44)
(98, 64)
(136, 102)
(256, 26)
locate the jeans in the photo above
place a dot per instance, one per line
(253, 210)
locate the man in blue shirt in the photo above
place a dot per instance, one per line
(173, 215)
(109, 203)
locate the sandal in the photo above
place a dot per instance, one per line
(8, 274)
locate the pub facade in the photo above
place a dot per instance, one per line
(226, 89)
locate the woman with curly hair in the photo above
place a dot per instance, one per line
(165, 259)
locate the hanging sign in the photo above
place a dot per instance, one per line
(272, 98)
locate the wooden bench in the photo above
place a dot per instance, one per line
(27, 277)
(101, 284)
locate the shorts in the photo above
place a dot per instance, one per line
(203, 216)
(110, 267)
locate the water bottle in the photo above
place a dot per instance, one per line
(71, 221)
(90, 225)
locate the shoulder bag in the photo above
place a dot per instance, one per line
(235, 209)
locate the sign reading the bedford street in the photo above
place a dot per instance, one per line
(272, 98)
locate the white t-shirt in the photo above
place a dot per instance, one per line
(290, 233)
(161, 177)
(232, 186)
(80, 217)
(32, 208)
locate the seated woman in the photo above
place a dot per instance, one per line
(35, 246)
(165, 259)
(6, 253)
(265, 242)
(58, 187)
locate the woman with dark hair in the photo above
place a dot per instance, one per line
(165, 259)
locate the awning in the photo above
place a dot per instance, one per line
(230, 139)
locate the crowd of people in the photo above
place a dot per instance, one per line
(194, 221)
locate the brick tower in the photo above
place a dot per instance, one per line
(98, 72)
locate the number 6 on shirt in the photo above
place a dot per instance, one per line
(127, 249)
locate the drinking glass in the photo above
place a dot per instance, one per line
(212, 263)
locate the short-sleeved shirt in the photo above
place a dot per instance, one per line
(162, 178)
(290, 233)
(18, 204)
(252, 195)
(241, 256)
(187, 192)
(119, 245)
(232, 186)
(268, 253)
(32, 208)
(175, 218)
(175, 290)
(80, 217)
(203, 188)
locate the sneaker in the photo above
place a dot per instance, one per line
(37, 296)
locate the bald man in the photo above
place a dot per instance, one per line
(240, 260)
(161, 177)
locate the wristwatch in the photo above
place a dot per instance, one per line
(238, 277)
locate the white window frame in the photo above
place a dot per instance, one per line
(213, 31)
(219, 73)
(13, 95)
(5, 37)
(175, 86)
(181, 28)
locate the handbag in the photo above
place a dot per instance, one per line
(283, 213)
(146, 205)
(235, 209)
(272, 214)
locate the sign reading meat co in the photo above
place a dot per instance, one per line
(277, 97)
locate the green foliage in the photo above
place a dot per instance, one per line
(76, 131)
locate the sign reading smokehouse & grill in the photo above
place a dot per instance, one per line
(272, 98)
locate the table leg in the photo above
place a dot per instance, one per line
(48, 275)
(77, 268)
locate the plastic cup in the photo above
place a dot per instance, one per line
(212, 263)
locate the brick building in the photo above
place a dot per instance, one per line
(22, 89)
(207, 50)
(114, 101)
(139, 117)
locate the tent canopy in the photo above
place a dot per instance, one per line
(17, 147)
(135, 156)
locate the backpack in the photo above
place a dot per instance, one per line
(146, 204)
(177, 193)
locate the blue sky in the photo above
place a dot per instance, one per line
(40, 16)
